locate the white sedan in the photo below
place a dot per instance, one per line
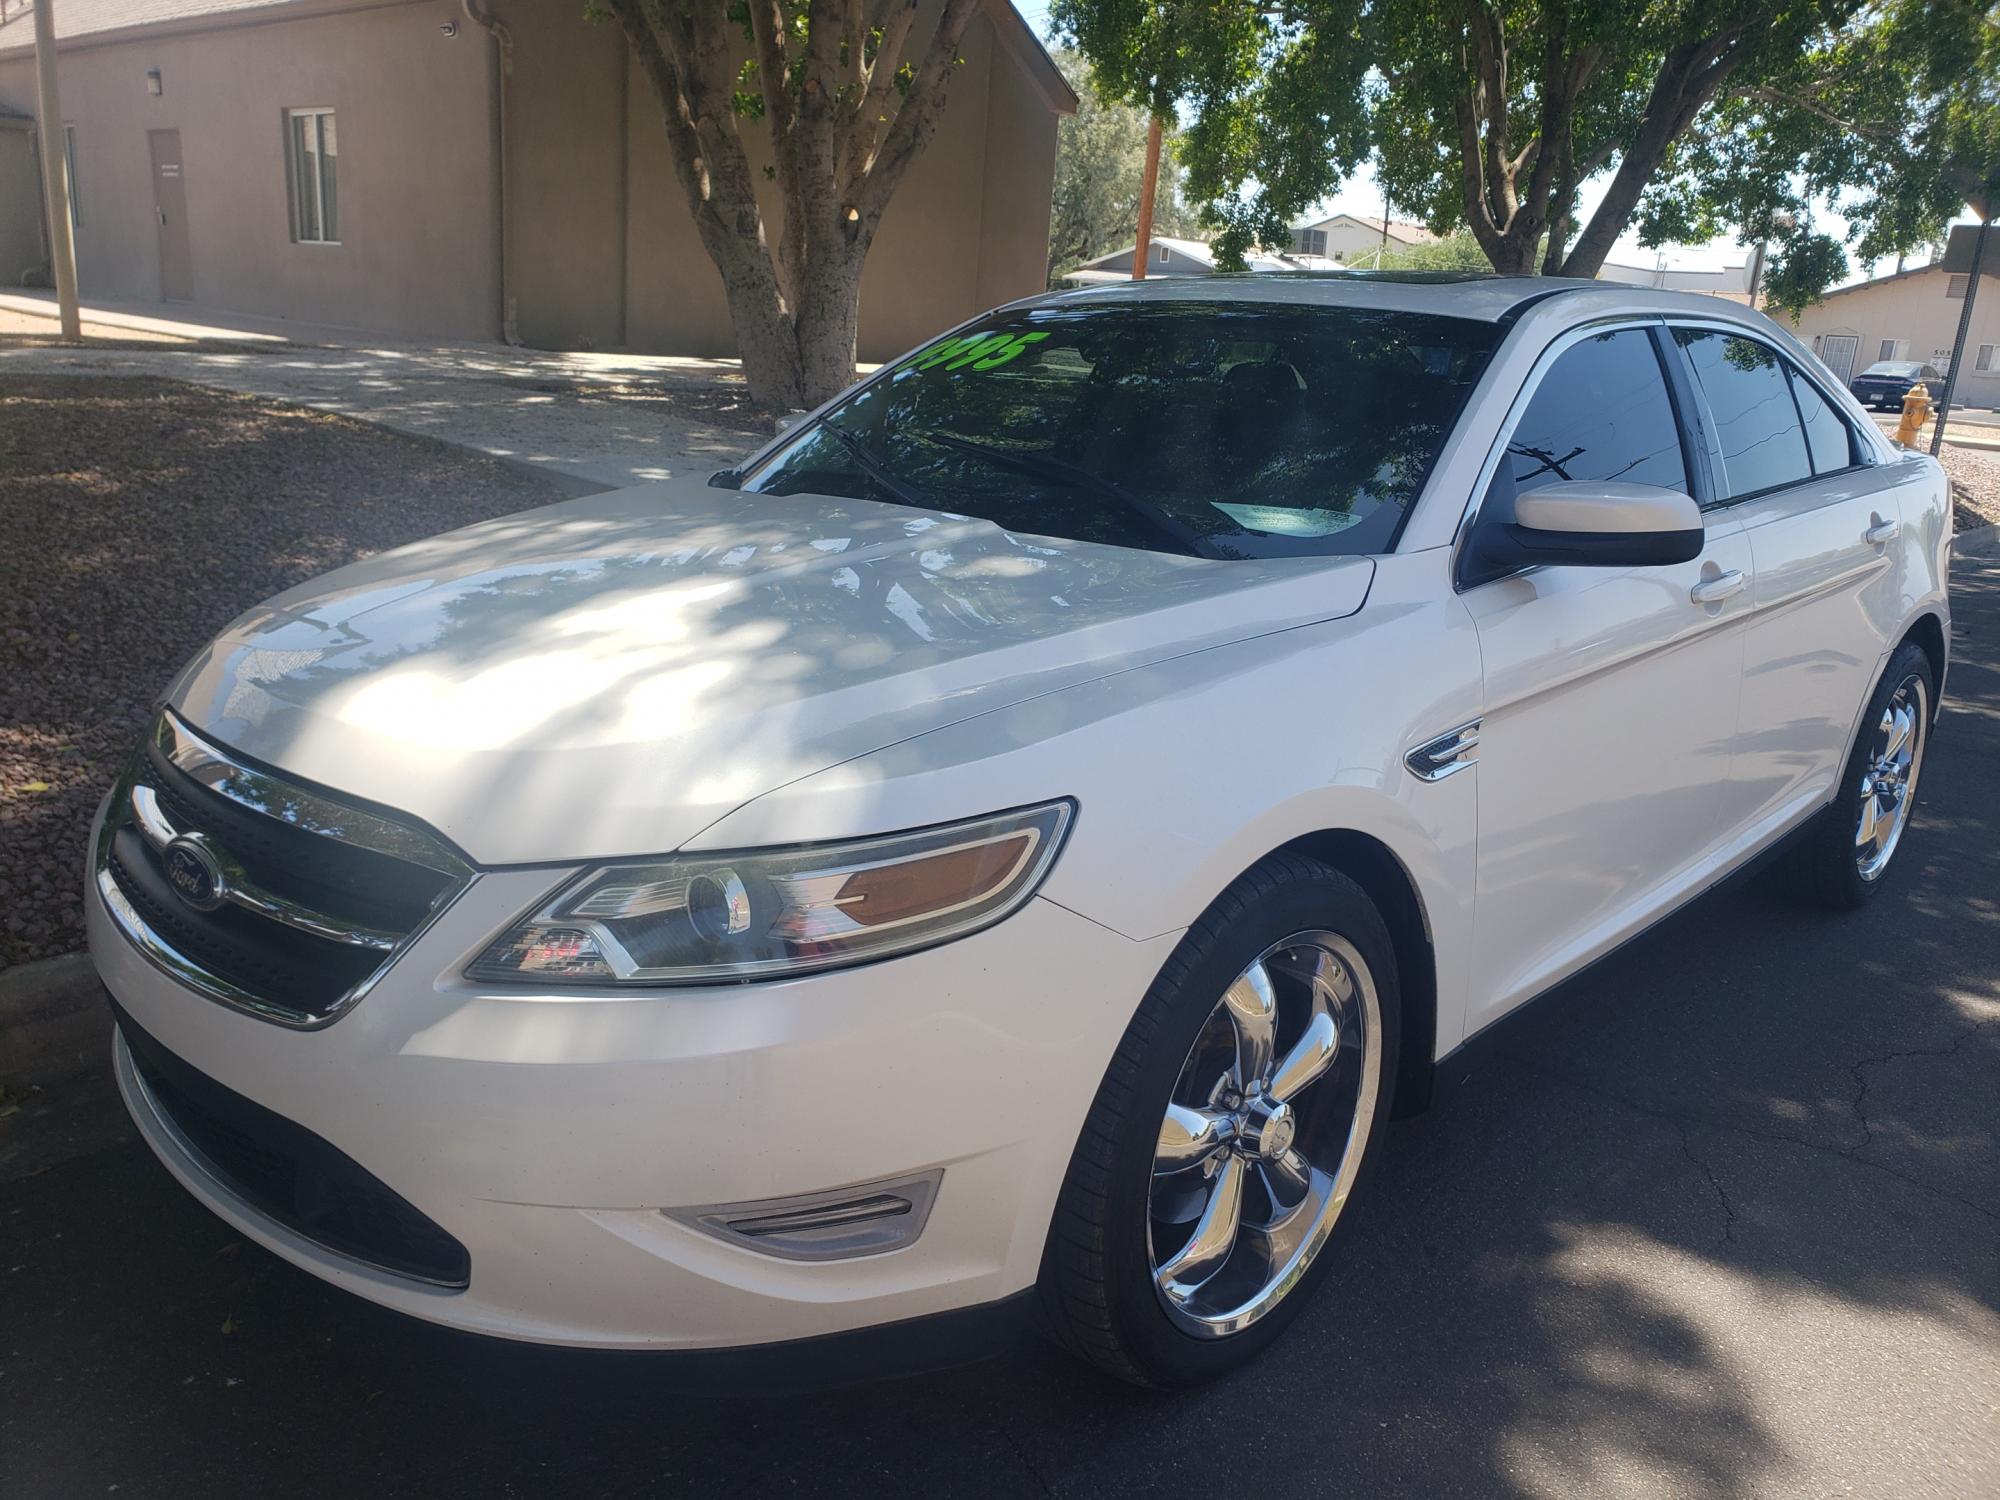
(1021, 835)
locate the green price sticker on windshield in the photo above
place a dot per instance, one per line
(976, 351)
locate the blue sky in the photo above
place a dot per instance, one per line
(1360, 196)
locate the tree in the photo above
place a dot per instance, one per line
(1100, 161)
(1457, 251)
(1483, 114)
(847, 94)
(1894, 121)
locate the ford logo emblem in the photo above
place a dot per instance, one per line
(193, 872)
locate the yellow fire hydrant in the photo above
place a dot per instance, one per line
(1916, 412)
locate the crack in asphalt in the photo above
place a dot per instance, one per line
(1721, 1196)
(1861, 1077)
(1682, 1122)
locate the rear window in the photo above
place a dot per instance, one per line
(1891, 367)
(1217, 429)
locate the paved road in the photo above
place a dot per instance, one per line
(1727, 1222)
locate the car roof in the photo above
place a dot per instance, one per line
(1485, 296)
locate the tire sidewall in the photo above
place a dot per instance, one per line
(1329, 902)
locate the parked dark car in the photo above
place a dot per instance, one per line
(1885, 383)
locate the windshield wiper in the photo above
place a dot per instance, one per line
(875, 469)
(1041, 465)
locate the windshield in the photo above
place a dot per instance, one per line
(1216, 429)
(1891, 367)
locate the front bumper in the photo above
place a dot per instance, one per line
(552, 1135)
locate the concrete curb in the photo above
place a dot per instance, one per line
(1981, 541)
(53, 1021)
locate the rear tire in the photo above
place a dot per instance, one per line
(1285, 991)
(1849, 851)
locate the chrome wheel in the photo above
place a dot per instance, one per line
(1264, 1133)
(1895, 753)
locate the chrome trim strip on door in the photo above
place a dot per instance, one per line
(1446, 755)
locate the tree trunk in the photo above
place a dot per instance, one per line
(1687, 80)
(828, 319)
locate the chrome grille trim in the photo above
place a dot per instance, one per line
(239, 887)
(133, 804)
(313, 811)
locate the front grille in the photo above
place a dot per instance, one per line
(290, 1175)
(260, 891)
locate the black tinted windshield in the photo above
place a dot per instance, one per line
(1220, 429)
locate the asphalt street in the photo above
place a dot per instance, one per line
(1722, 1219)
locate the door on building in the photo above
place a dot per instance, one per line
(170, 209)
(1836, 352)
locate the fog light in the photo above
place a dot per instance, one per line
(871, 1219)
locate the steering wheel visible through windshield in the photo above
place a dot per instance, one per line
(1220, 429)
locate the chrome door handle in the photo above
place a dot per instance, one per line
(1882, 532)
(1721, 586)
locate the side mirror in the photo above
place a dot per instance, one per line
(1600, 523)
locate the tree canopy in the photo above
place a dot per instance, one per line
(1491, 115)
(1100, 164)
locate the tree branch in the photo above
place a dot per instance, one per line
(916, 118)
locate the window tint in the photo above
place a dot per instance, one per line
(1225, 429)
(1756, 425)
(1827, 436)
(1601, 412)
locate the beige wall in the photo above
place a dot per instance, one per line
(594, 265)
(416, 181)
(21, 248)
(1915, 307)
(600, 247)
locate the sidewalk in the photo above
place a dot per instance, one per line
(595, 421)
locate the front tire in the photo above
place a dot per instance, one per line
(1850, 850)
(1237, 1119)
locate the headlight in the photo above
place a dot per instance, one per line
(772, 912)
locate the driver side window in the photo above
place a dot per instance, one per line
(1601, 412)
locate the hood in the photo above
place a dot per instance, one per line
(608, 676)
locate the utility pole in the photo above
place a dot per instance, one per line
(55, 174)
(1148, 185)
(1964, 331)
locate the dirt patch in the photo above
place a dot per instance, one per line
(137, 517)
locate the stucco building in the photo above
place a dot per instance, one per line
(1346, 238)
(1911, 315)
(375, 165)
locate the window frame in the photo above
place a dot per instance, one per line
(1857, 442)
(1985, 359)
(295, 188)
(69, 178)
(1694, 455)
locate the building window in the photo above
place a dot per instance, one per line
(1892, 349)
(1311, 241)
(1983, 361)
(315, 179)
(69, 177)
(1955, 288)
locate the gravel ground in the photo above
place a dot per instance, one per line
(1975, 486)
(137, 517)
